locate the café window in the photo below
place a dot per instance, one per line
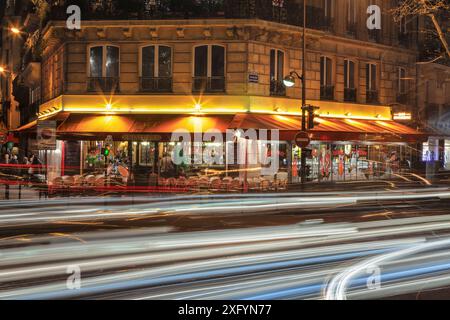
(277, 73)
(209, 68)
(156, 69)
(326, 82)
(104, 68)
(349, 81)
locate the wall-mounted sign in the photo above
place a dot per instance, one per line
(253, 77)
(402, 116)
(141, 137)
(302, 139)
(46, 135)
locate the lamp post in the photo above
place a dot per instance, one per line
(289, 81)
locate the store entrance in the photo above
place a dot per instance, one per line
(144, 163)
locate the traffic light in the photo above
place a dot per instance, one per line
(105, 151)
(311, 115)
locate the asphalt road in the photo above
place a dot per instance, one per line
(360, 244)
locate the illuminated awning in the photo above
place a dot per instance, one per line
(328, 129)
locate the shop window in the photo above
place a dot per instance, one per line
(104, 68)
(371, 83)
(156, 69)
(277, 73)
(349, 81)
(447, 154)
(326, 76)
(209, 69)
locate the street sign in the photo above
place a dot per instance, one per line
(46, 135)
(302, 139)
(253, 77)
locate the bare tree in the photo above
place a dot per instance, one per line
(429, 8)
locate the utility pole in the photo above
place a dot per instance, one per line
(303, 154)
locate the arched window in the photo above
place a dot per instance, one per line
(209, 68)
(104, 68)
(156, 68)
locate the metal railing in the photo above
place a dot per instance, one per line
(277, 88)
(350, 94)
(372, 96)
(326, 92)
(156, 84)
(104, 84)
(208, 84)
(402, 98)
(351, 29)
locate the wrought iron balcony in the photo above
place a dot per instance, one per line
(372, 96)
(351, 29)
(208, 84)
(103, 84)
(402, 98)
(156, 84)
(404, 39)
(277, 88)
(350, 94)
(375, 35)
(326, 92)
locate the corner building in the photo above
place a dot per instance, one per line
(129, 84)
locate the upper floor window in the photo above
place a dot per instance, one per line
(277, 73)
(209, 68)
(326, 76)
(327, 23)
(403, 36)
(104, 67)
(328, 8)
(351, 17)
(349, 81)
(401, 80)
(156, 68)
(403, 26)
(371, 83)
(401, 86)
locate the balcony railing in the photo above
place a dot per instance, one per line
(350, 95)
(372, 96)
(208, 84)
(326, 24)
(402, 98)
(404, 39)
(326, 92)
(104, 84)
(153, 84)
(351, 29)
(375, 35)
(277, 88)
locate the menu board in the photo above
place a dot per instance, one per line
(72, 154)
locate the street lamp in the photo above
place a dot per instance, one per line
(289, 81)
(15, 30)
